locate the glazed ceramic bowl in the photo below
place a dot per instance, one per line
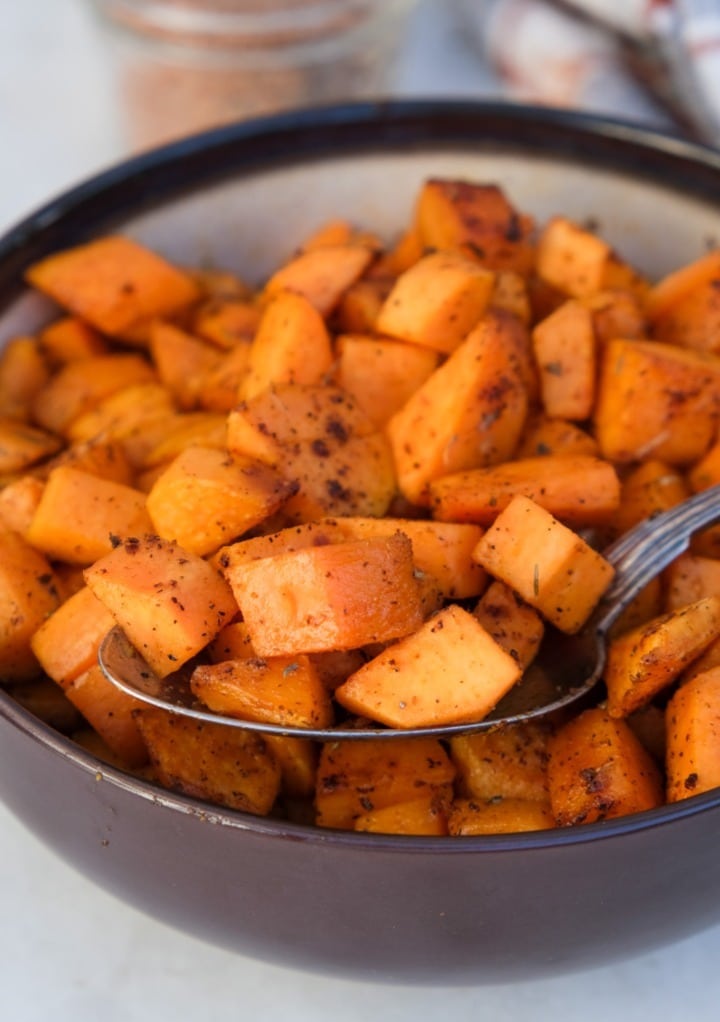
(411, 909)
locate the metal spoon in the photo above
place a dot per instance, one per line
(567, 669)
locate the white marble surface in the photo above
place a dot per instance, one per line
(68, 951)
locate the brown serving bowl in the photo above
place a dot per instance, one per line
(407, 909)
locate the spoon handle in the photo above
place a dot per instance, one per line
(647, 549)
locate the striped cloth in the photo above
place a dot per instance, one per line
(652, 61)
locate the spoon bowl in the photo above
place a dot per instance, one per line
(567, 668)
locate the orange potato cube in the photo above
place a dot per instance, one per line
(22, 446)
(356, 778)
(110, 712)
(449, 671)
(684, 307)
(693, 737)
(277, 690)
(182, 360)
(653, 486)
(298, 760)
(23, 374)
(510, 762)
(123, 414)
(499, 816)
(598, 770)
(380, 374)
(114, 284)
(207, 497)
(690, 578)
(103, 511)
(546, 563)
(18, 502)
(321, 274)
(358, 310)
(291, 345)
(228, 322)
(564, 344)
(81, 385)
(477, 219)
(543, 436)
(580, 490)
(571, 258)
(339, 596)
(656, 400)
(170, 603)
(69, 338)
(28, 594)
(513, 624)
(644, 661)
(67, 642)
(426, 815)
(437, 302)
(213, 762)
(470, 412)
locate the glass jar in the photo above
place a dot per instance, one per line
(184, 65)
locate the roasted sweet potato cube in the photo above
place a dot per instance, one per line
(646, 660)
(291, 345)
(28, 594)
(358, 309)
(123, 414)
(114, 284)
(571, 258)
(598, 770)
(693, 737)
(653, 486)
(565, 349)
(18, 502)
(227, 321)
(510, 762)
(105, 457)
(355, 778)
(437, 302)
(170, 603)
(207, 497)
(470, 412)
(690, 578)
(511, 295)
(449, 671)
(162, 441)
(102, 512)
(298, 760)
(339, 596)
(546, 563)
(24, 373)
(182, 360)
(442, 550)
(67, 642)
(226, 766)
(110, 712)
(513, 624)
(321, 274)
(426, 815)
(543, 436)
(22, 445)
(69, 338)
(477, 219)
(381, 374)
(81, 385)
(498, 816)
(684, 306)
(276, 690)
(580, 490)
(656, 399)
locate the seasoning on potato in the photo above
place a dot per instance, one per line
(365, 489)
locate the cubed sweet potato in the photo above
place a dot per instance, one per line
(498, 816)
(546, 563)
(28, 595)
(437, 302)
(510, 762)
(170, 603)
(598, 769)
(513, 624)
(693, 737)
(565, 349)
(115, 284)
(276, 690)
(339, 596)
(226, 766)
(646, 660)
(355, 778)
(449, 671)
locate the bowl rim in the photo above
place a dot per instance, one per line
(139, 183)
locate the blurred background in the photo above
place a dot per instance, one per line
(109, 77)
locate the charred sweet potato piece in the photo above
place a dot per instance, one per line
(693, 737)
